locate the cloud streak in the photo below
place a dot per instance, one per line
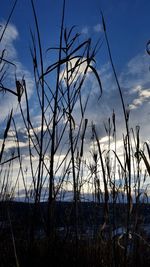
(98, 28)
(8, 100)
(143, 95)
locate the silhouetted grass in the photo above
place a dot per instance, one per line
(83, 236)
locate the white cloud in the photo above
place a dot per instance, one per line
(9, 144)
(76, 68)
(136, 73)
(98, 28)
(135, 83)
(143, 95)
(10, 35)
(37, 130)
(105, 139)
(8, 100)
(85, 30)
(136, 77)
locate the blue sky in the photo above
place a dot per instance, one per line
(127, 28)
(127, 24)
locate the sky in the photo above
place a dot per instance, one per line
(127, 23)
(127, 28)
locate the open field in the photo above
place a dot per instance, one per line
(97, 244)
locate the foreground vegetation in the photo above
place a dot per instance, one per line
(59, 146)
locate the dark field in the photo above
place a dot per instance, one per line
(94, 243)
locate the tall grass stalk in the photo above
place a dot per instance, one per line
(127, 138)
